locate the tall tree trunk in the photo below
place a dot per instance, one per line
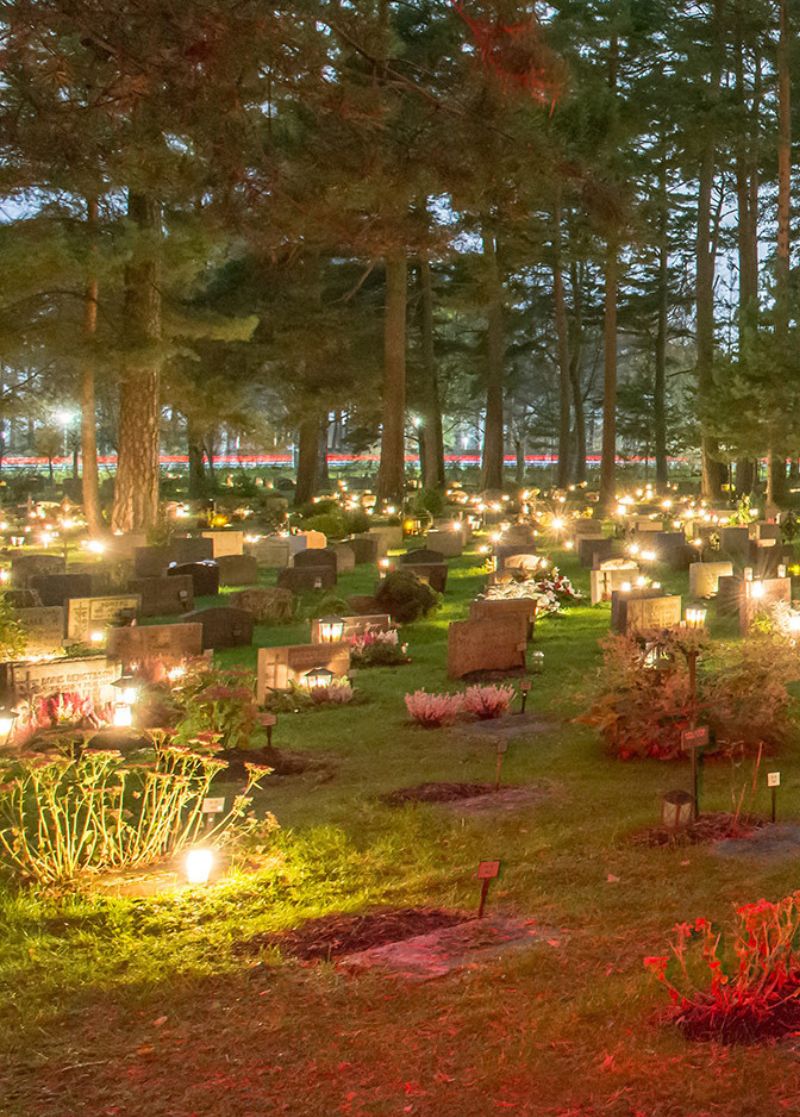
(776, 461)
(307, 459)
(660, 379)
(323, 476)
(493, 434)
(705, 250)
(391, 472)
(197, 469)
(575, 365)
(91, 479)
(562, 345)
(609, 448)
(136, 488)
(432, 437)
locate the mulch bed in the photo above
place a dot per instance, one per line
(436, 793)
(708, 828)
(281, 761)
(334, 936)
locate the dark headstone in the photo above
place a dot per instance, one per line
(735, 541)
(164, 597)
(434, 573)
(26, 567)
(151, 562)
(188, 548)
(365, 548)
(22, 599)
(592, 552)
(224, 627)
(55, 589)
(237, 570)
(424, 556)
(672, 549)
(204, 575)
(168, 642)
(298, 578)
(268, 604)
(316, 557)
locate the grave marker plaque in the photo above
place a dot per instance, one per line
(492, 644)
(90, 677)
(268, 604)
(279, 667)
(84, 614)
(345, 558)
(171, 643)
(365, 548)
(274, 554)
(610, 576)
(44, 629)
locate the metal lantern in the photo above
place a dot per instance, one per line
(537, 663)
(331, 630)
(8, 719)
(696, 617)
(318, 677)
(128, 689)
(676, 810)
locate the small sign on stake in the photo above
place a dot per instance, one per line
(487, 871)
(524, 690)
(774, 782)
(213, 806)
(692, 740)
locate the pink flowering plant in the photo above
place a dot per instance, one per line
(746, 993)
(433, 710)
(376, 647)
(487, 702)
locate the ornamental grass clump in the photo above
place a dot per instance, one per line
(487, 702)
(88, 811)
(747, 993)
(433, 710)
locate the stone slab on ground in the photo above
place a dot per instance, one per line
(505, 728)
(465, 946)
(505, 801)
(773, 842)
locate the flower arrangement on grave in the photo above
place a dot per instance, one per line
(433, 710)
(61, 710)
(81, 811)
(644, 700)
(549, 588)
(747, 992)
(488, 702)
(376, 647)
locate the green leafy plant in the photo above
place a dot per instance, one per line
(405, 597)
(78, 811)
(12, 633)
(221, 708)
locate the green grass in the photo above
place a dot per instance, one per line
(569, 1030)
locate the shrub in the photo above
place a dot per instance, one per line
(434, 710)
(61, 816)
(331, 524)
(487, 702)
(742, 693)
(220, 706)
(12, 633)
(753, 991)
(356, 522)
(404, 597)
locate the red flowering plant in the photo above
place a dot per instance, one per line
(61, 710)
(220, 707)
(748, 993)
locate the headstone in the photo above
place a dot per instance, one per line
(671, 548)
(644, 526)
(151, 562)
(365, 548)
(171, 643)
(763, 529)
(610, 576)
(84, 614)
(205, 576)
(766, 555)
(588, 528)
(448, 543)
(225, 542)
(497, 644)
(298, 579)
(43, 628)
(315, 558)
(734, 541)
(487, 608)
(295, 543)
(22, 599)
(237, 570)
(268, 605)
(189, 548)
(278, 668)
(90, 677)
(224, 627)
(314, 540)
(391, 534)
(653, 612)
(704, 577)
(274, 554)
(26, 567)
(423, 556)
(591, 552)
(55, 589)
(164, 597)
(357, 625)
(761, 596)
(345, 558)
(514, 555)
(525, 564)
(729, 591)
(124, 546)
(434, 573)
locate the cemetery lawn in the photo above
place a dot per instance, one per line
(128, 1007)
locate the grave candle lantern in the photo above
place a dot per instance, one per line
(8, 719)
(128, 689)
(331, 630)
(696, 618)
(318, 677)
